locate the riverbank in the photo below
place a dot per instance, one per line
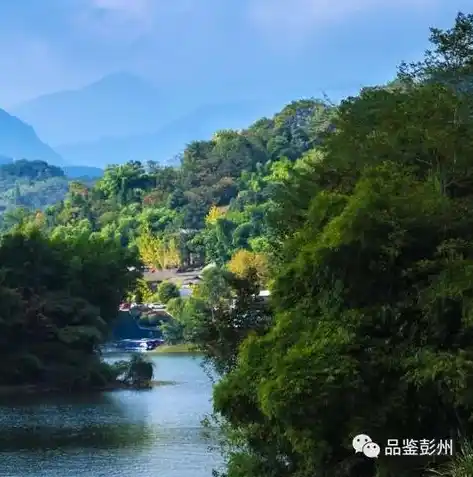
(177, 348)
(30, 389)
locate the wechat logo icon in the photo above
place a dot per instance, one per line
(363, 444)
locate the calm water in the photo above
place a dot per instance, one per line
(124, 433)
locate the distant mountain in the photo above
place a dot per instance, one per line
(164, 144)
(76, 172)
(18, 140)
(122, 117)
(119, 104)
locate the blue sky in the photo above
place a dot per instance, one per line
(214, 49)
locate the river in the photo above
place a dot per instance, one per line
(114, 434)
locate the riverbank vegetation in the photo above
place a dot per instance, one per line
(58, 299)
(359, 219)
(182, 348)
(371, 258)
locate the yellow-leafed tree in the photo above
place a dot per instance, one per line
(214, 214)
(142, 293)
(173, 256)
(157, 251)
(39, 218)
(245, 264)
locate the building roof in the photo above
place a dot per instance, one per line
(173, 276)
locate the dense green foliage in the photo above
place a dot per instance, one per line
(164, 209)
(167, 291)
(58, 301)
(28, 185)
(373, 289)
(223, 310)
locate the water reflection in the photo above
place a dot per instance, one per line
(96, 421)
(117, 434)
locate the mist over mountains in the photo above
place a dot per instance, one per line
(116, 105)
(121, 117)
(19, 140)
(164, 144)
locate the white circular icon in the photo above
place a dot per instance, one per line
(359, 441)
(371, 450)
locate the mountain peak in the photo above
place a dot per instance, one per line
(121, 79)
(120, 103)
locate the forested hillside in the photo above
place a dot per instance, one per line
(358, 217)
(211, 206)
(26, 186)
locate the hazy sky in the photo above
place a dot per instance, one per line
(223, 49)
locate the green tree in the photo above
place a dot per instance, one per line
(372, 295)
(221, 313)
(173, 332)
(366, 308)
(139, 371)
(60, 297)
(167, 291)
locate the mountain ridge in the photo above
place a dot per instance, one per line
(116, 104)
(122, 117)
(19, 140)
(164, 144)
